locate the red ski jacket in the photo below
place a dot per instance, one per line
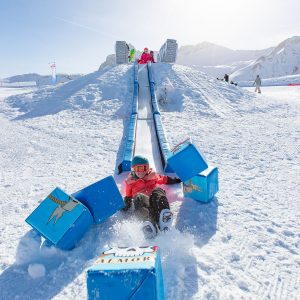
(152, 59)
(145, 57)
(143, 185)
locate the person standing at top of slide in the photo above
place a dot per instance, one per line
(152, 57)
(145, 57)
(131, 55)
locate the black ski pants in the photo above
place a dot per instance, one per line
(148, 208)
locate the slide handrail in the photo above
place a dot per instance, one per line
(131, 130)
(129, 149)
(160, 134)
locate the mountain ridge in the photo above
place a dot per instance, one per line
(283, 60)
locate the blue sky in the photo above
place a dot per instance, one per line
(79, 34)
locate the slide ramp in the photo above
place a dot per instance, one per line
(146, 143)
(145, 134)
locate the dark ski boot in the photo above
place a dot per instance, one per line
(165, 220)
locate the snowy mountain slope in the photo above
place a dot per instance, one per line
(220, 70)
(241, 245)
(209, 54)
(282, 60)
(39, 79)
(109, 62)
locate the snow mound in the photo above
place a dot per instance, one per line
(36, 270)
(95, 91)
(38, 80)
(244, 244)
(185, 89)
(28, 248)
(109, 62)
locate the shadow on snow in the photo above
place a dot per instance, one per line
(199, 219)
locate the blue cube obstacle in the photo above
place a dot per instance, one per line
(186, 161)
(126, 273)
(61, 219)
(203, 186)
(102, 198)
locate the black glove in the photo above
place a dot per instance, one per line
(173, 180)
(128, 202)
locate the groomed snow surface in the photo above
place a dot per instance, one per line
(243, 245)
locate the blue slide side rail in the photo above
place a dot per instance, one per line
(155, 108)
(131, 130)
(162, 141)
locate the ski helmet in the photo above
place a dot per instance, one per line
(139, 160)
(140, 166)
(146, 49)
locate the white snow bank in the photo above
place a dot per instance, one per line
(244, 244)
(283, 80)
(36, 270)
(186, 90)
(18, 84)
(86, 92)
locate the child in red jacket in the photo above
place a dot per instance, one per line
(145, 57)
(150, 202)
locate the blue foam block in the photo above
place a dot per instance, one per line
(186, 161)
(203, 186)
(168, 169)
(126, 273)
(102, 198)
(61, 219)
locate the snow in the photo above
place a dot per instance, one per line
(33, 79)
(36, 270)
(283, 60)
(244, 65)
(243, 245)
(109, 61)
(288, 94)
(209, 54)
(220, 70)
(275, 81)
(217, 60)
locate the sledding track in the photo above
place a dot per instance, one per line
(146, 143)
(145, 134)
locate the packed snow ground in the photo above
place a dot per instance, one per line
(243, 245)
(275, 81)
